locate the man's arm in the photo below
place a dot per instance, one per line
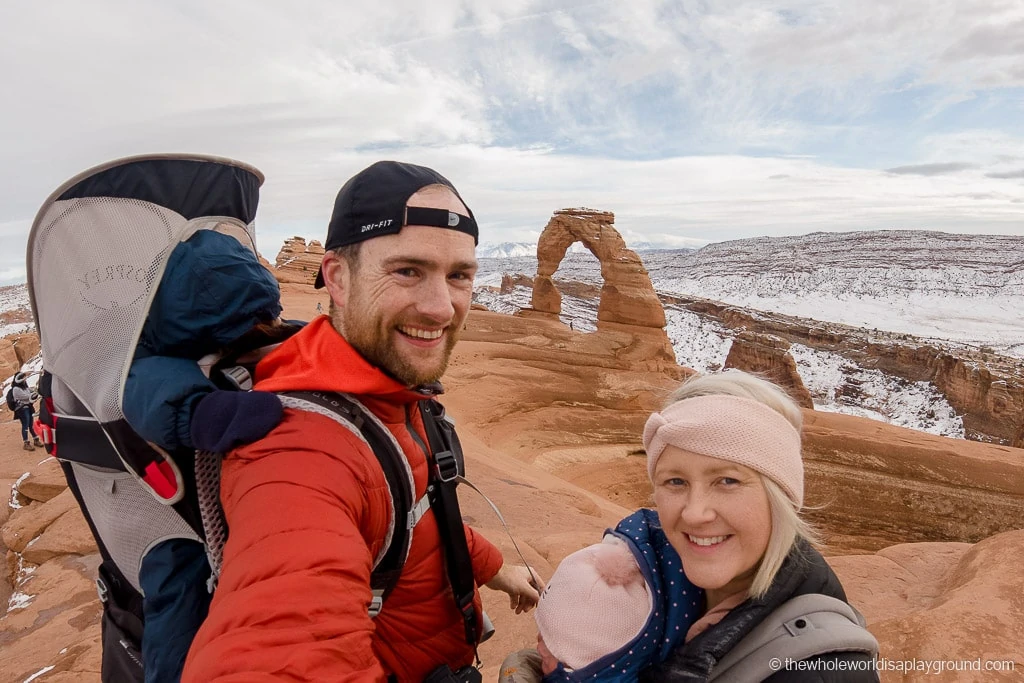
(293, 596)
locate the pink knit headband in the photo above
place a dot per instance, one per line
(739, 430)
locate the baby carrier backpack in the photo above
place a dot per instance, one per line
(803, 627)
(97, 252)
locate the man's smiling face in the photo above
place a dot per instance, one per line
(402, 302)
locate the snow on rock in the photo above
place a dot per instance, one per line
(699, 343)
(838, 385)
(39, 673)
(961, 288)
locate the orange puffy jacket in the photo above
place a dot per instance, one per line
(307, 508)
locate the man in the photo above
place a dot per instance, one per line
(308, 505)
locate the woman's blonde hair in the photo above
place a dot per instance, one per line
(787, 524)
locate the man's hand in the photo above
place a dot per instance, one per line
(522, 585)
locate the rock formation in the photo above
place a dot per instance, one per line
(627, 297)
(628, 302)
(769, 356)
(9, 363)
(15, 351)
(51, 618)
(985, 389)
(534, 392)
(533, 400)
(509, 282)
(944, 602)
(298, 262)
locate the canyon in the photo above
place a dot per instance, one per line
(926, 532)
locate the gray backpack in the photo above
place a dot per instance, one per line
(806, 626)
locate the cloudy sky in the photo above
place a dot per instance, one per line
(692, 121)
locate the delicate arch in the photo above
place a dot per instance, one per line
(627, 296)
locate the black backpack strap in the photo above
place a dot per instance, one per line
(447, 467)
(387, 568)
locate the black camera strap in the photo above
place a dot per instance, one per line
(447, 466)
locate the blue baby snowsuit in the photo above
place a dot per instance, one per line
(212, 292)
(677, 604)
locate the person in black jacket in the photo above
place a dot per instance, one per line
(724, 459)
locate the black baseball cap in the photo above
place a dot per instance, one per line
(372, 203)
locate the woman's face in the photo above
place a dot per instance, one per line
(717, 517)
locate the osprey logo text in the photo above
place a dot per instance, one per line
(373, 226)
(115, 285)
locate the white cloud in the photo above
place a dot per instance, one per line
(689, 120)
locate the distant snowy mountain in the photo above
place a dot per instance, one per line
(962, 288)
(506, 250)
(529, 249)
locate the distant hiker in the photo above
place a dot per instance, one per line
(20, 400)
(570, 326)
(319, 308)
(759, 603)
(309, 507)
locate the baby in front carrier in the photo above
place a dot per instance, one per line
(610, 610)
(214, 291)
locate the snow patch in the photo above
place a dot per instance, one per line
(38, 673)
(14, 504)
(698, 343)
(838, 385)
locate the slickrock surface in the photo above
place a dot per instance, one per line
(47, 580)
(550, 420)
(944, 601)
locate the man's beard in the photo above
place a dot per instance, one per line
(374, 342)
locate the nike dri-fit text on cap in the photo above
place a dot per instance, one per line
(372, 203)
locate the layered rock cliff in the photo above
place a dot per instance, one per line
(985, 389)
(769, 357)
(298, 262)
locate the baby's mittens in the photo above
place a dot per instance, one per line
(225, 419)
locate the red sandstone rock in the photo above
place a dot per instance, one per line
(944, 602)
(59, 627)
(769, 356)
(45, 481)
(30, 521)
(627, 297)
(67, 535)
(297, 262)
(9, 363)
(26, 346)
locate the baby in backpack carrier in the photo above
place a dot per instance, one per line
(213, 292)
(595, 605)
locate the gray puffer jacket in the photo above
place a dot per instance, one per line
(22, 398)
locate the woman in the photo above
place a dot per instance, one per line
(23, 397)
(724, 460)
